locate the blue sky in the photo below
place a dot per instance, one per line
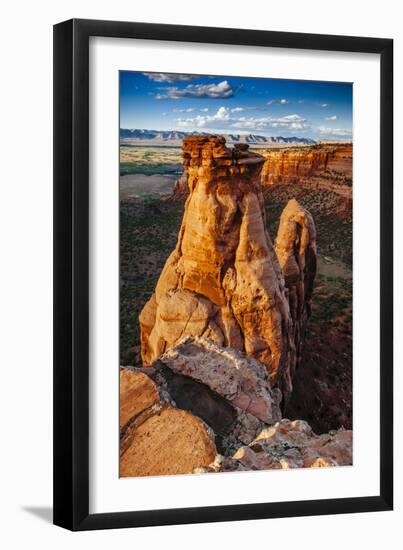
(226, 104)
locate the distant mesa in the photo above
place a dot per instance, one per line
(133, 136)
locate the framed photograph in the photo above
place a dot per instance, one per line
(223, 264)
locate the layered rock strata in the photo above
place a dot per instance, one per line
(294, 165)
(204, 408)
(319, 166)
(223, 281)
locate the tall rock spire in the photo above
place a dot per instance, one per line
(224, 281)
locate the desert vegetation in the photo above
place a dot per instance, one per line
(150, 160)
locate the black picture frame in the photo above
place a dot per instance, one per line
(71, 274)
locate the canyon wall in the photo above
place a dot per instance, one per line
(224, 280)
(293, 165)
(320, 166)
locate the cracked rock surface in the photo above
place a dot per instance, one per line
(204, 408)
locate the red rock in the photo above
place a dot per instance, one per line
(137, 393)
(296, 251)
(223, 281)
(241, 380)
(200, 395)
(169, 442)
(294, 164)
(157, 438)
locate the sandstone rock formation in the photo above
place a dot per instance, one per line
(325, 166)
(137, 393)
(156, 437)
(296, 251)
(228, 390)
(223, 281)
(288, 444)
(241, 380)
(294, 165)
(204, 408)
(181, 187)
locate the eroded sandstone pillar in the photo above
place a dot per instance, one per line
(223, 281)
(295, 247)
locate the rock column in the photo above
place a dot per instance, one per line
(224, 281)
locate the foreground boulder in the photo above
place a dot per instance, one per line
(204, 408)
(158, 438)
(137, 393)
(241, 380)
(223, 281)
(169, 442)
(228, 390)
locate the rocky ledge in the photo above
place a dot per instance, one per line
(204, 408)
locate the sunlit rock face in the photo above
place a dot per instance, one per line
(325, 166)
(156, 437)
(295, 248)
(231, 374)
(294, 165)
(201, 407)
(224, 281)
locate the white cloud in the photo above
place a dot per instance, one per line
(170, 77)
(224, 118)
(222, 90)
(205, 110)
(237, 110)
(189, 110)
(293, 117)
(324, 104)
(278, 102)
(333, 117)
(222, 114)
(337, 132)
(200, 121)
